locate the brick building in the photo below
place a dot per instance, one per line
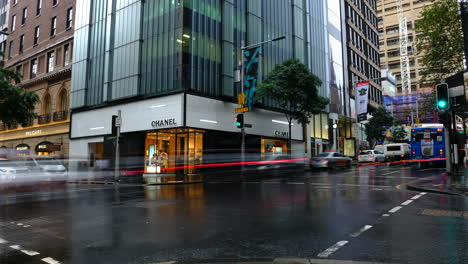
(39, 47)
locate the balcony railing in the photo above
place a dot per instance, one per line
(29, 123)
(60, 116)
(43, 119)
(13, 126)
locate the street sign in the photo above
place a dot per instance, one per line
(242, 110)
(118, 121)
(241, 99)
(248, 125)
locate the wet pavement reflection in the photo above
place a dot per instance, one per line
(298, 216)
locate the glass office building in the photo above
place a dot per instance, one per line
(170, 68)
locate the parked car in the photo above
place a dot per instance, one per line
(331, 160)
(371, 156)
(380, 148)
(397, 151)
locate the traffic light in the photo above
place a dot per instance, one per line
(240, 121)
(443, 102)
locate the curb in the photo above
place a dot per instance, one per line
(416, 186)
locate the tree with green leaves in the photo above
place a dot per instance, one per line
(440, 40)
(377, 125)
(16, 103)
(398, 134)
(294, 88)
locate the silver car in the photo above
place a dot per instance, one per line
(331, 160)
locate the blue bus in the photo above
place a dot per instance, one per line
(428, 142)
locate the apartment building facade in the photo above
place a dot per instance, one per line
(39, 48)
(388, 24)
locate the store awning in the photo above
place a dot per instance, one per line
(47, 146)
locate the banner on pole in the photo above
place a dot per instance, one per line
(251, 61)
(362, 91)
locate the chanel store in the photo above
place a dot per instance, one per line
(176, 138)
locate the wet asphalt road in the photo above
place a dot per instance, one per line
(362, 214)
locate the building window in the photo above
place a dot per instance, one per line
(25, 15)
(66, 54)
(10, 49)
(38, 7)
(47, 108)
(13, 23)
(15, 2)
(19, 69)
(33, 68)
(37, 31)
(54, 2)
(21, 44)
(53, 26)
(50, 61)
(69, 17)
(63, 100)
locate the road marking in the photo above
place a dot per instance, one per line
(26, 226)
(394, 209)
(20, 224)
(327, 252)
(27, 252)
(3, 241)
(362, 230)
(51, 260)
(385, 215)
(423, 193)
(407, 202)
(393, 172)
(416, 197)
(296, 183)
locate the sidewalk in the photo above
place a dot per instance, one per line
(454, 185)
(274, 261)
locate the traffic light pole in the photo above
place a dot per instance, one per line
(243, 127)
(117, 147)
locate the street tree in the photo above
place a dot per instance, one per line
(398, 134)
(377, 125)
(16, 103)
(440, 40)
(293, 88)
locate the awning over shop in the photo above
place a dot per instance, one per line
(47, 146)
(22, 149)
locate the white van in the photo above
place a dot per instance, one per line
(397, 151)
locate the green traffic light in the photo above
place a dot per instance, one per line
(238, 124)
(442, 104)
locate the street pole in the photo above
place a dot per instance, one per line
(117, 146)
(243, 127)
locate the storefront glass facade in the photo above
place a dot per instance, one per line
(173, 151)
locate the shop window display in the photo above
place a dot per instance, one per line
(173, 151)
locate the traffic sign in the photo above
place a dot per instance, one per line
(242, 110)
(241, 99)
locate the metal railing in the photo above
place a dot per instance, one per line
(43, 119)
(60, 116)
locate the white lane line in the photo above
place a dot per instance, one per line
(393, 172)
(51, 260)
(394, 209)
(25, 251)
(416, 197)
(3, 241)
(385, 215)
(20, 224)
(327, 252)
(362, 230)
(423, 193)
(407, 202)
(26, 226)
